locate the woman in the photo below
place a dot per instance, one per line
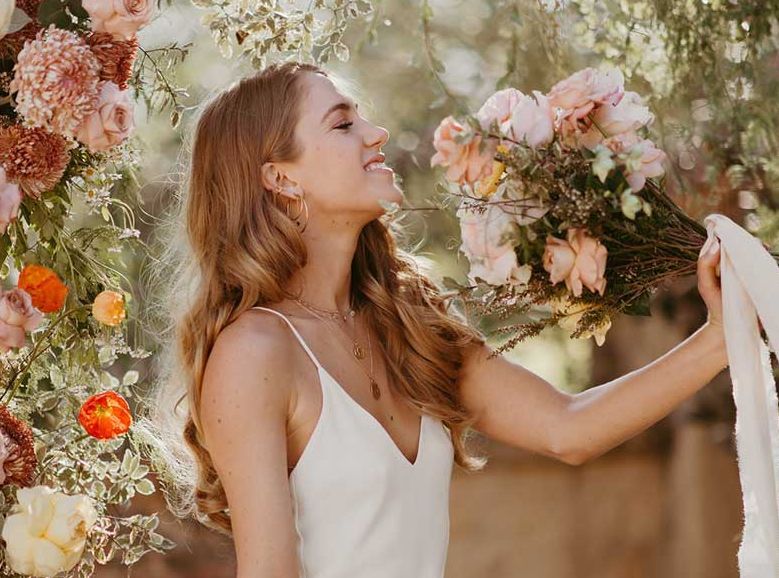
(329, 388)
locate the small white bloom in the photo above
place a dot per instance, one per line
(630, 204)
(603, 163)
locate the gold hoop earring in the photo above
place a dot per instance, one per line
(300, 199)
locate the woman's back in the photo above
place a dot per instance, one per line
(358, 505)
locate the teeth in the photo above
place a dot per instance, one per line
(375, 165)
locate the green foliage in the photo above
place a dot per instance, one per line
(259, 30)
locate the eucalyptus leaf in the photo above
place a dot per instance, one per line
(145, 487)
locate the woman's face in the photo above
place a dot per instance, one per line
(339, 145)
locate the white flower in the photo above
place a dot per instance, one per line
(630, 204)
(46, 531)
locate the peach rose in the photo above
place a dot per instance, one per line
(10, 198)
(464, 161)
(120, 18)
(108, 307)
(582, 93)
(587, 86)
(580, 260)
(626, 117)
(17, 315)
(499, 108)
(533, 120)
(558, 259)
(489, 251)
(111, 123)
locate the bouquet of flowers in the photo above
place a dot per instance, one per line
(67, 455)
(561, 208)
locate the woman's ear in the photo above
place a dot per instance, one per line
(274, 180)
(271, 176)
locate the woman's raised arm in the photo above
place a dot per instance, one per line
(518, 407)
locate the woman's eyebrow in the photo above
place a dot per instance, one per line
(343, 105)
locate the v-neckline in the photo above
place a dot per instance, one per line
(398, 452)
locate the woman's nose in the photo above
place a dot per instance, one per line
(379, 136)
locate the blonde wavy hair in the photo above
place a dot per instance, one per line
(231, 246)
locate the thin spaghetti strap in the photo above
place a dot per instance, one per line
(297, 334)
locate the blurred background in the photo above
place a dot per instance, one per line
(667, 503)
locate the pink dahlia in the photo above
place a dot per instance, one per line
(55, 79)
(33, 158)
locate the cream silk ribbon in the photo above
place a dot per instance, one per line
(749, 278)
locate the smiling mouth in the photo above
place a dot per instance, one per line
(377, 167)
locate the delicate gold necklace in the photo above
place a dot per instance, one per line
(357, 349)
(328, 312)
(375, 391)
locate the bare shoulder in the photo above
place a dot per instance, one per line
(251, 360)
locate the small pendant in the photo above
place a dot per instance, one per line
(358, 351)
(375, 389)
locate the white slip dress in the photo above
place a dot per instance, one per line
(361, 508)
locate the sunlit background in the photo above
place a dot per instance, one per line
(666, 503)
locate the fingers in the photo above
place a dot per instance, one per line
(705, 247)
(708, 263)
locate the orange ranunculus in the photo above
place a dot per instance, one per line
(105, 415)
(48, 292)
(108, 307)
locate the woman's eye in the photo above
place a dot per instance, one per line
(344, 126)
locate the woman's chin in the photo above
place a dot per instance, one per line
(393, 195)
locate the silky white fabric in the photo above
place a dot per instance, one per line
(749, 278)
(361, 508)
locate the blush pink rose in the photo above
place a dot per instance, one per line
(499, 108)
(533, 120)
(464, 161)
(17, 315)
(626, 117)
(650, 164)
(120, 18)
(580, 261)
(621, 143)
(581, 94)
(648, 161)
(588, 86)
(10, 198)
(558, 259)
(111, 123)
(486, 243)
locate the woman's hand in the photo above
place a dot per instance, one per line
(709, 282)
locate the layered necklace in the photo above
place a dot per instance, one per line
(357, 349)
